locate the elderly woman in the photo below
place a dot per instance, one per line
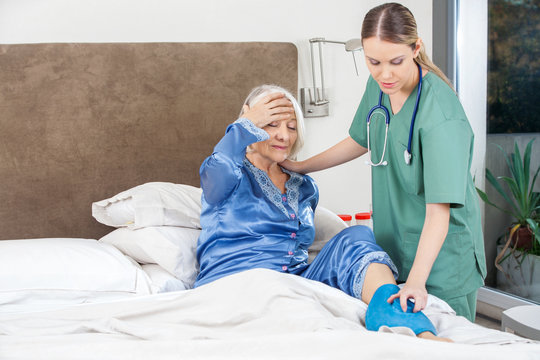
(256, 214)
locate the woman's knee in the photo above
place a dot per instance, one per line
(357, 233)
(357, 237)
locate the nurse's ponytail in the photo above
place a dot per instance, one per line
(425, 62)
(395, 23)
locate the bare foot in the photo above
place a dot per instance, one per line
(429, 335)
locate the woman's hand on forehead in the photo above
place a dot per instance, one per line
(272, 107)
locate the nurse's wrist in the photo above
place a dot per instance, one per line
(417, 280)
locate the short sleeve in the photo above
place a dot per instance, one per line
(357, 131)
(446, 153)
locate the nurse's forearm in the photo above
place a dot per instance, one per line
(431, 240)
(344, 151)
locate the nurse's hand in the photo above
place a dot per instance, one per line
(272, 107)
(295, 166)
(416, 292)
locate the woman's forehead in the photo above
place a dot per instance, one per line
(375, 48)
(293, 119)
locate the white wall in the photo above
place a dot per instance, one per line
(345, 189)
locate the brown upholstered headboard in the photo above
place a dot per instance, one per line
(82, 122)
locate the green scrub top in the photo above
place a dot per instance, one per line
(439, 172)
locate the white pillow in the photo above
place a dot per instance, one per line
(173, 248)
(151, 204)
(327, 225)
(162, 280)
(59, 271)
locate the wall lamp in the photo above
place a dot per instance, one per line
(313, 100)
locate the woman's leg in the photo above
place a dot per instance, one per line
(379, 284)
(353, 262)
(343, 261)
(376, 275)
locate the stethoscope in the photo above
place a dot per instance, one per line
(407, 153)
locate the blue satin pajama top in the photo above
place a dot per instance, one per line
(246, 221)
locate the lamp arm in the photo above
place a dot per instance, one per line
(322, 73)
(318, 98)
(313, 71)
(323, 40)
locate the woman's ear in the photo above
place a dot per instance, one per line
(417, 47)
(245, 108)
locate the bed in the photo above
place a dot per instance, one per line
(100, 149)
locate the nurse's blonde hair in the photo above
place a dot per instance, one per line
(395, 23)
(261, 91)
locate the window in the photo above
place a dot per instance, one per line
(513, 108)
(513, 66)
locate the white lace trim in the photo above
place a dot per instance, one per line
(373, 257)
(259, 133)
(292, 186)
(273, 194)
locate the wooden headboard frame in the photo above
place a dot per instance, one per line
(82, 122)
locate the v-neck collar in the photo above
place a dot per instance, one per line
(402, 120)
(406, 104)
(270, 190)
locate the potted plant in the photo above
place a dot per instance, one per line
(521, 244)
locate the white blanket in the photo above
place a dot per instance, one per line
(257, 314)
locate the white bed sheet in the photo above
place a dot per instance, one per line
(257, 314)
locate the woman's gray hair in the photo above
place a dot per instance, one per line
(261, 91)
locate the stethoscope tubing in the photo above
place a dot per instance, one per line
(387, 122)
(416, 103)
(386, 114)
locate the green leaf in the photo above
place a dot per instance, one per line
(500, 190)
(484, 198)
(533, 225)
(518, 193)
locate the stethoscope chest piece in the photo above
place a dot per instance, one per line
(407, 155)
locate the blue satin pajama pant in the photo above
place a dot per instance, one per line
(343, 261)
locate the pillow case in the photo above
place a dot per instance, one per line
(173, 248)
(59, 271)
(162, 280)
(151, 204)
(327, 225)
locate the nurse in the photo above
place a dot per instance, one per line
(426, 213)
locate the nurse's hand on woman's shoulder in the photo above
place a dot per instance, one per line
(418, 293)
(272, 107)
(295, 166)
